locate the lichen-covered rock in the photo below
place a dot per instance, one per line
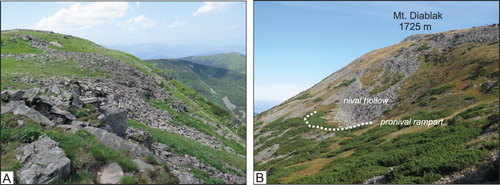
(43, 162)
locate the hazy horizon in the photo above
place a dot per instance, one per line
(208, 24)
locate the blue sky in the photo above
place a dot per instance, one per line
(127, 23)
(297, 44)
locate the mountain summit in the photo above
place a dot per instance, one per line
(334, 132)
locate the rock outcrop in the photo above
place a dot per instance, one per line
(113, 141)
(43, 162)
(19, 107)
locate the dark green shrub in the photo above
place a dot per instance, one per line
(303, 96)
(491, 145)
(318, 100)
(470, 97)
(474, 112)
(439, 90)
(128, 165)
(29, 135)
(423, 47)
(456, 119)
(127, 180)
(345, 83)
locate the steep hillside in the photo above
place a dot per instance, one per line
(111, 117)
(224, 87)
(330, 134)
(232, 61)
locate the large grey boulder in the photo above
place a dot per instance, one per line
(19, 108)
(43, 162)
(116, 119)
(110, 173)
(113, 141)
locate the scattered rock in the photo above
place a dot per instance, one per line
(186, 178)
(94, 101)
(61, 112)
(55, 90)
(115, 118)
(140, 136)
(110, 173)
(76, 103)
(18, 107)
(12, 95)
(43, 162)
(29, 95)
(56, 43)
(161, 150)
(142, 165)
(376, 180)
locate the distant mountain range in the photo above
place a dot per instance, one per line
(156, 51)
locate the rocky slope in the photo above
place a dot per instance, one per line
(225, 87)
(70, 88)
(426, 76)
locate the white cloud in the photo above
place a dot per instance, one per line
(83, 16)
(211, 7)
(277, 93)
(177, 24)
(137, 23)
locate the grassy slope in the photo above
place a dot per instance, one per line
(203, 78)
(232, 61)
(448, 86)
(12, 68)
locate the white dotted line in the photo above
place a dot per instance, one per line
(332, 129)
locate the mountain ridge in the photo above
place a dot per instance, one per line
(221, 85)
(80, 91)
(448, 75)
